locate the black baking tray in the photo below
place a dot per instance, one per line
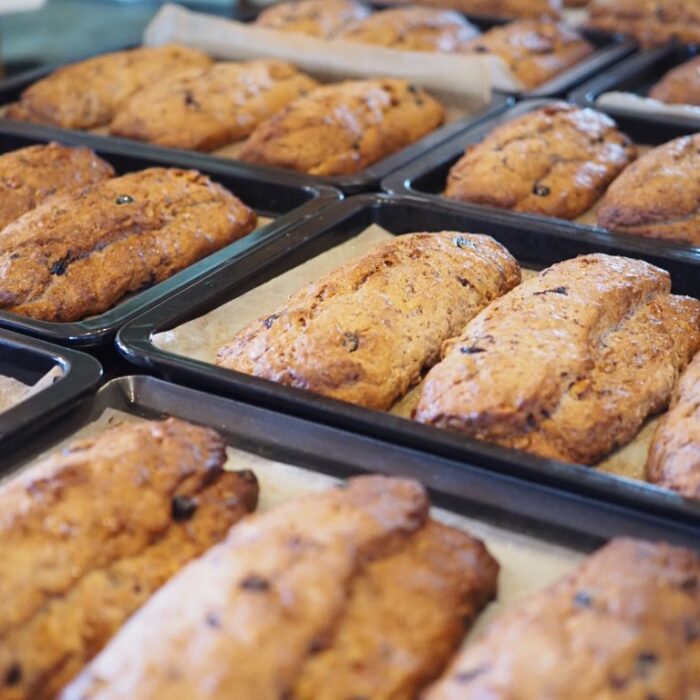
(28, 360)
(637, 74)
(533, 244)
(609, 49)
(366, 180)
(427, 177)
(288, 200)
(571, 520)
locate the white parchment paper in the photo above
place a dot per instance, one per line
(12, 391)
(465, 75)
(645, 105)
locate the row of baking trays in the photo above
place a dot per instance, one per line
(288, 205)
(177, 340)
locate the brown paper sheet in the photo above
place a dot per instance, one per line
(528, 564)
(201, 338)
(13, 391)
(465, 75)
(645, 105)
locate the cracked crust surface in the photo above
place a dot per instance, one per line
(366, 332)
(91, 532)
(405, 618)
(555, 161)
(651, 22)
(625, 624)
(659, 195)
(413, 29)
(206, 109)
(674, 457)
(31, 175)
(570, 363)
(681, 85)
(88, 94)
(534, 50)
(342, 129)
(504, 9)
(319, 18)
(78, 254)
(282, 580)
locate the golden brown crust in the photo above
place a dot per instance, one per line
(555, 161)
(534, 50)
(406, 616)
(259, 603)
(674, 457)
(570, 363)
(344, 128)
(651, 22)
(206, 109)
(31, 175)
(659, 195)
(625, 624)
(413, 29)
(367, 331)
(78, 254)
(91, 532)
(15, 110)
(88, 94)
(681, 85)
(319, 18)
(505, 9)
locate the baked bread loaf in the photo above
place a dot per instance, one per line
(405, 618)
(366, 332)
(413, 29)
(319, 18)
(624, 625)
(31, 175)
(88, 94)
(78, 254)
(650, 22)
(570, 363)
(659, 195)
(674, 460)
(534, 50)
(555, 161)
(681, 85)
(91, 532)
(206, 109)
(342, 129)
(258, 604)
(504, 9)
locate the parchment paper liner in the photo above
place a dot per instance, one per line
(13, 392)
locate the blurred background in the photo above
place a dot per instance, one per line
(59, 29)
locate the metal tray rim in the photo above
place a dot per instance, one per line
(81, 374)
(459, 486)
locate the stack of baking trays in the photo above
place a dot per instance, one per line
(439, 441)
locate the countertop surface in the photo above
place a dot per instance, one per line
(63, 29)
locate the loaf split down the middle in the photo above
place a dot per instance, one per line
(366, 332)
(569, 364)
